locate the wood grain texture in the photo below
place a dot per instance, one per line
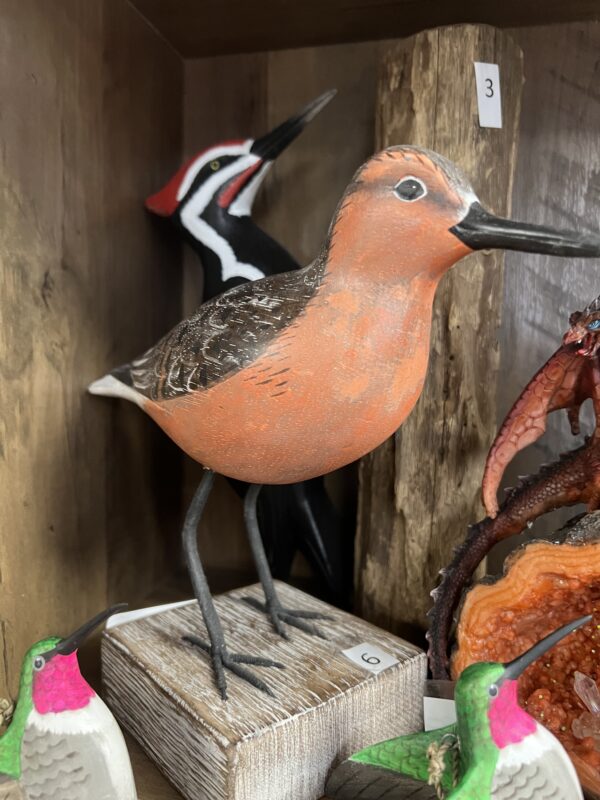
(420, 489)
(246, 95)
(557, 182)
(254, 746)
(11, 790)
(206, 28)
(149, 782)
(141, 272)
(81, 286)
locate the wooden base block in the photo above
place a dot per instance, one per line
(253, 746)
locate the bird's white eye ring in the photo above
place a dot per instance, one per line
(215, 165)
(493, 690)
(39, 663)
(410, 189)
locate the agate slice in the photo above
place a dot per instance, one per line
(544, 585)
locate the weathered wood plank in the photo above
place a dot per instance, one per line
(557, 182)
(140, 266)
(257, 747)
(149, 782)
(197, 28)
(82, 285)
(52, 482)
(421, 489)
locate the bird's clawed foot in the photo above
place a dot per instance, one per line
(222, 660)
(280, 615)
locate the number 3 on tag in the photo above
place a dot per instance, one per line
(487, 81)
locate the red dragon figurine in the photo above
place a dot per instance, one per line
(569, 377)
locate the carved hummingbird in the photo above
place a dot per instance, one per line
(500, 751)
(209, 200)
(292, 376)
(63, 743)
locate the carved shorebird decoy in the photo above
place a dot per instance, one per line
(209, 201)
(63, 743)
(297, 374)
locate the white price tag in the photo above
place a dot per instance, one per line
(438, 712)
(370, 657)
(487, 79)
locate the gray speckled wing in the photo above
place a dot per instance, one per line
(223, 336)
(64, 767)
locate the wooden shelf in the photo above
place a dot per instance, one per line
(197, 28)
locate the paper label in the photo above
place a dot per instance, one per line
(370, 657)
(487, 80)
(438, 712)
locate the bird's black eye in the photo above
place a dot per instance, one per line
(594, 325)
(410, 189)
(38, 663)
(493, 690)
(215, 165)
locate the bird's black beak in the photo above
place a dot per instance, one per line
(481, 230)
(74, 641)
(268, 147)
(513, 669)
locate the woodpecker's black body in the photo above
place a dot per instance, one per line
(250, 244)
(216, 222)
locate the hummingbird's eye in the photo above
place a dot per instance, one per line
(594, 325)
(38, 663)
(409, 189)
(215, 165)
(493, 690)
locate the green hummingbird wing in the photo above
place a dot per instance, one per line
(394, 769)
(408, 754)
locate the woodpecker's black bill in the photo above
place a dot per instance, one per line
(268, 147)
(481, 230)
(513, 669)
(67, 646)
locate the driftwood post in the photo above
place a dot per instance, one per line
(420, 489)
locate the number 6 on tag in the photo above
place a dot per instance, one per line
(370, 657)
(487, 80)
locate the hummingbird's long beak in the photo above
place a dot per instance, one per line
(269, 146)
(481, 230)
(72, 642)
(513, 669)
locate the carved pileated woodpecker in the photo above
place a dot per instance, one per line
(209, 200)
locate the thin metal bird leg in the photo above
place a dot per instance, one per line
(272, 607)
(217, 649)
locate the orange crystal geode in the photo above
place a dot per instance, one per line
(544, 585)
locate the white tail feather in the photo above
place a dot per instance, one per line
(109, 386)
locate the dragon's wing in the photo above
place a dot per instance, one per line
(393, 768)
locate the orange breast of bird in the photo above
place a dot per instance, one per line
(328, 389)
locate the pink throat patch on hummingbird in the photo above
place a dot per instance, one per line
(59, 686)
(509, 724)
